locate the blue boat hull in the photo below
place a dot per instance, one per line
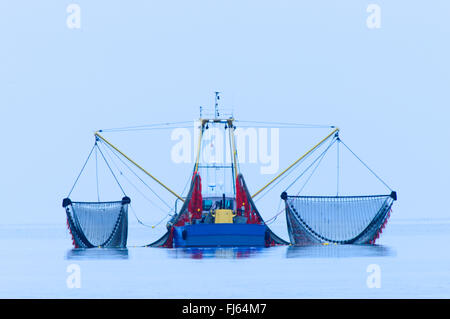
(220, 235)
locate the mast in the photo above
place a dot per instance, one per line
(200, 135)
(233, 147)
(217, 120)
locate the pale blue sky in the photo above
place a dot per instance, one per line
(139, 62)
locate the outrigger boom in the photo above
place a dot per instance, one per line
(138, 166)
(298, 160)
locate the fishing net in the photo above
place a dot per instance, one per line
(98, 224)
(337, 219)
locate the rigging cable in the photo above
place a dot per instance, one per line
(185, 186)
(320, 157)
(337, 168)
(272, 219)
(144, 127)
(101, 153)
(132, 184)
(82, 169)
(135, 187)
(287, 174)
(287, 125)
(135, 174)
(367, 166)
(96, 170)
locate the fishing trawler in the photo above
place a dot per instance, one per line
(213, 216)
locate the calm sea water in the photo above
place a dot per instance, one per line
(413, 260)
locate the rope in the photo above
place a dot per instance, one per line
(319, 157)
(367, 166)
(159, 126)
(313, 171)
(132, 184)
(282, 178)
(142, 223)
(185, 186)
(157, 224)
(287, 125)
(273, 218)
(144, 127)
(143, 195)
(337, 166)
(82, 169)
(96, 171)
(126, 165)
(117, 181)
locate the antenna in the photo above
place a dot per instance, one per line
(216, 105)
(201, 109)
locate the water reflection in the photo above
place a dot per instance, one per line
(338, 251)
(215, 252)
(311, 251)
(97, 253)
